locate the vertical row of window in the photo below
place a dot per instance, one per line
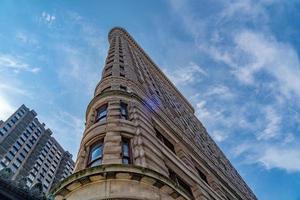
(19, 150)
(13, 120)
(44, 169)
(68, 169)
(172, 175)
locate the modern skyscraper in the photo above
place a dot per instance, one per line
(29, 150)
(143, 141)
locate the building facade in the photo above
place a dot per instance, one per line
(143, 141)
(29, 150)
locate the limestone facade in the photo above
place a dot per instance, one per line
(143, 141)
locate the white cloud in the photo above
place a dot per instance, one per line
(284, 158)
(219, 91)
(187, 74)
(263, 52)
(48, 18)
(15, 64)
(6, 109)
(219, 136)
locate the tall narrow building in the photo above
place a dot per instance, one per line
(143, 141)
(29, 150)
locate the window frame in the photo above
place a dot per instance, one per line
(124, 107)
(165, 141)
(102, 118)
(93, 147)
(129, 157)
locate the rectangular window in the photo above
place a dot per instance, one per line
(109, 74)
(202, 175)
(122, 74)
(19, 115)
(22, 111)
(9, 124)
(5, 129)
(123, 87)
(101, 113)
(123, 110)
(126, 153)
(108, 68)
(165, 141)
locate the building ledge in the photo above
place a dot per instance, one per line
(122, 172)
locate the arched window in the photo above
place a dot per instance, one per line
(96, 154)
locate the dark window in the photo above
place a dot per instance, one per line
(123, 110)
(165, 140)
(126, 153)
(5, 129)
(108, 68)
(123, 87)
(202, 175)
(179, 182)
(122, 74)
(101, 113)
(96, 153)
(109, 61)
(122, 68)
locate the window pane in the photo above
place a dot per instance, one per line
(96, 163)
(96, 153)
(125, 161)
(125, 148)
(101, 113)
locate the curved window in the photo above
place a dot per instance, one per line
(101, 113)
(96, 154)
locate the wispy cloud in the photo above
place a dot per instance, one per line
(16, 64)
(273, 124)
(67, 128)
(263, 72)
(186, 74)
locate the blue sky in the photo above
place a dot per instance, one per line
(237, 61)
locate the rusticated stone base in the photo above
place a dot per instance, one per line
(118, 182)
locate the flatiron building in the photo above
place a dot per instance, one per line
(142, 139)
